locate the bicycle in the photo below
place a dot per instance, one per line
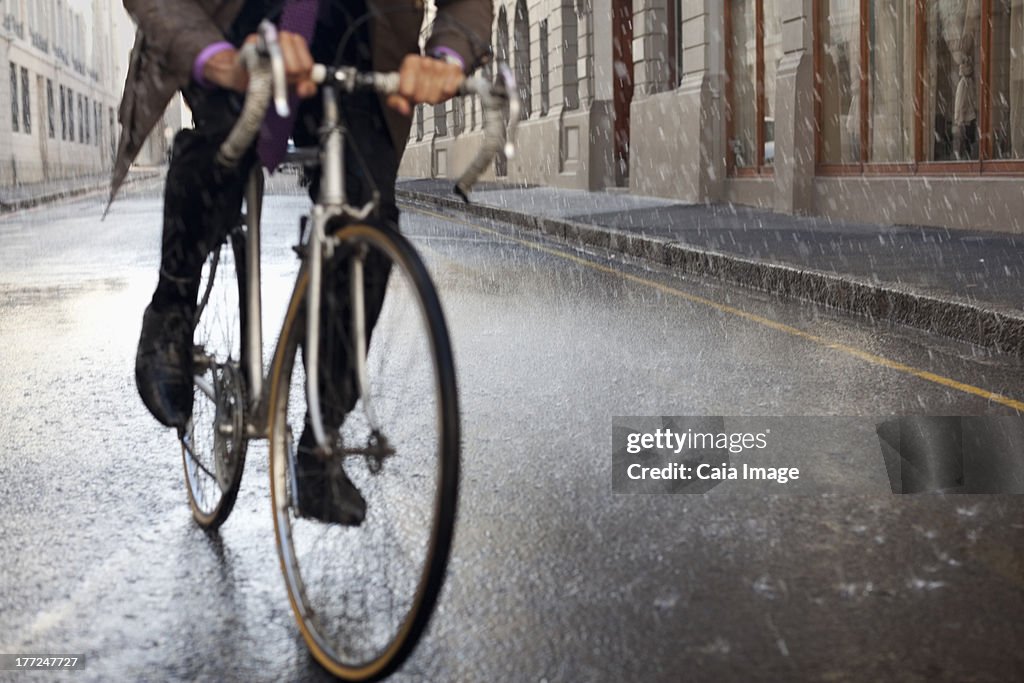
(362, 596)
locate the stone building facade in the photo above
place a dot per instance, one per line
(892, 111)
(561, 54)
(64, 64)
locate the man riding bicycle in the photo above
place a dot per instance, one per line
(192, 46)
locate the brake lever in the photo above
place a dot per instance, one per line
(272, 48)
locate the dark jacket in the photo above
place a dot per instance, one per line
(172, 33)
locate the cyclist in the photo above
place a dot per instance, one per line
(191, 45)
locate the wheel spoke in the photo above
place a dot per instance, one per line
(214, 447)
(204, 386)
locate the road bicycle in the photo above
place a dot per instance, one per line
(362, 596)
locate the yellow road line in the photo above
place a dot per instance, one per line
(760, 320)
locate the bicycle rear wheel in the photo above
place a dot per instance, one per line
(213, 444)
(362, 596)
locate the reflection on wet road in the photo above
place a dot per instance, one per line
(553, 577)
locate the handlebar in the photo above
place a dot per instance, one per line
(265, 65)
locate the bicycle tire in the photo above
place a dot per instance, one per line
(226, 377)
(429, 581)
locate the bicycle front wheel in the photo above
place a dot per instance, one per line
(363, 595)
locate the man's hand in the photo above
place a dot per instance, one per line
(424, 80)
(226, 70)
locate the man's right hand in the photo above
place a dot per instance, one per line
(225, 69)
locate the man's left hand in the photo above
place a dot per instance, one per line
(424, 80)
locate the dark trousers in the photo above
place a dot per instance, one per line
(202, 200)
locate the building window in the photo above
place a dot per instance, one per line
(419, 121)
(544, 67)
(71, 115)
(81, 119)
(63, 116)
(952, 83)
(754, 48)
(570, 57)
(840, 81)
(26, 101)
(440, 120)
(1006, 84)
(890, 72)
(674, 57)
(522, 56)
(50, 110)
(458, 115)
(915, 87)
(113, 134)
(97, 110)
(15, 116)
(502, 53)
(13, 19)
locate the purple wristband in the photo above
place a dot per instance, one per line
(203, 57)
(448, 54)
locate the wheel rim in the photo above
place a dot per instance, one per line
(361, 594)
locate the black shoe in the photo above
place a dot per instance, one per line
(325, 491)
(163, 364)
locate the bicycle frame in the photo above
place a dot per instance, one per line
(331, 204)
(266, 81)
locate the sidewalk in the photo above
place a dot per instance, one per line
(963, 284)
(18, 197)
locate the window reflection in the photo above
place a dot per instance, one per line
(840, 79)
(891, 71)
(772, 57)
(744, 83)
(1007, 78)
(751, 97)
(951, 79)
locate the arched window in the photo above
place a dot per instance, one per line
(502, 42)
(502, 55)
(522, 56)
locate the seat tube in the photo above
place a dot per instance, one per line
(254, 295)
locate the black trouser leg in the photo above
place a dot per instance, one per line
(202, 200)
(370, 141)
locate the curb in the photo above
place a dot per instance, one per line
(989, 327)
(58, 195)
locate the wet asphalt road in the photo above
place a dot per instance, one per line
(553, 578)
